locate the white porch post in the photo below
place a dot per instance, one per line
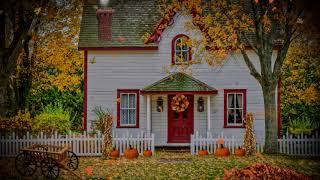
(148, 114)
(208, 114)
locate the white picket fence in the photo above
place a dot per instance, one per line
(209, 142)
(300, 145)
(82, 144)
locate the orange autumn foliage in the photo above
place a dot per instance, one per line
(263, 171)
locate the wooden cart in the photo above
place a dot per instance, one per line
(47, 157)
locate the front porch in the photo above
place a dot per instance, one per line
(172, 127)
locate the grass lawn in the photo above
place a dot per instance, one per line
(165, 165)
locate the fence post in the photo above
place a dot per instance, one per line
(152, 143)
(191, 144)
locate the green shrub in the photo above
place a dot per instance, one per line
(51, 119)
(70, 100)
(302, 125)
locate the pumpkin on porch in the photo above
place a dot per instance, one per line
(131, 153)
(222, 151)
(114, 153)
(240, 152)
(147, 153)
(203, 152)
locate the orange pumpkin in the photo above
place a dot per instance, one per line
(131, 153)
(240, 151)
(147, 153)
(114, 154)
(203, 152)
(222, 151)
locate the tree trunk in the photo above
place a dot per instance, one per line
(271, 125)
(3, 96)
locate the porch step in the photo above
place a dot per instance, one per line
(173, 149)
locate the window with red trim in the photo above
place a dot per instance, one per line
(128, 108)
(235, 106)
(181, 51)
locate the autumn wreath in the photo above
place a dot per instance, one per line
(179, 103)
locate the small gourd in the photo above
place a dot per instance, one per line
(240, 152)
(114, 153)
(203, 152)
(147, 153)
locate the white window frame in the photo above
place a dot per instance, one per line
(181, 51)
(128, 124)
(235, 108)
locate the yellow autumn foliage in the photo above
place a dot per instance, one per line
(300, 73)
(58, 63)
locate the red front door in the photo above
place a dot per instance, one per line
(180, 124)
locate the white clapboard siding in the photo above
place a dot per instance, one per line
(209, 142)
(82, 144)
(300, 145)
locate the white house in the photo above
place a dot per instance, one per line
(126, 75)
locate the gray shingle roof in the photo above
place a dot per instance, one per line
(130, 22)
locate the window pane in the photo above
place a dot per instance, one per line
(132, 101)
(185, 56)
(178, 56)
(239, 101)
(124, 101)
(230, 100)
(132, 116)
(184, 45)
(175, 115)
(185, 114)
(230, 116)
(178, 44)
(124, 116)
(239, 116)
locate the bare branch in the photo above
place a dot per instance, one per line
(251, 67)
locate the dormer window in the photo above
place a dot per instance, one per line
(181, 52)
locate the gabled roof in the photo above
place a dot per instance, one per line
(130, 21)
(178, 82)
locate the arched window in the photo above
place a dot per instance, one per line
(181, 52)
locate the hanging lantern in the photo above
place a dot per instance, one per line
(200, 104)
(159, 104)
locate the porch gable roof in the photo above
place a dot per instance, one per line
(179, 82)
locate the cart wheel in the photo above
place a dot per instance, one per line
(25, 164)
(50, 168)
(73, 161)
